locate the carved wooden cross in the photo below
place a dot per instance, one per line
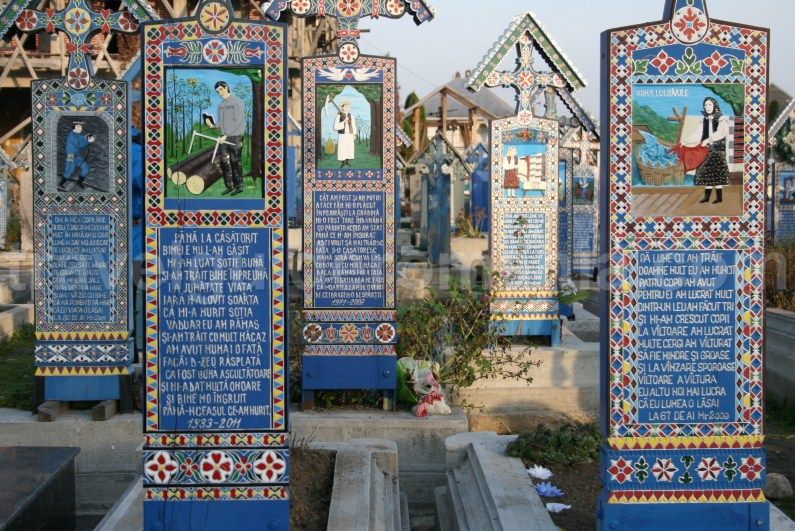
(584, 145)
(525, 79)
(348, 13)
(79, 22)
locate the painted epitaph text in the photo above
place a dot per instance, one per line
(684, 233)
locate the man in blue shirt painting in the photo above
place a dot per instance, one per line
(76, 154)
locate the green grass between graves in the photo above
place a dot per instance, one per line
(16, 369)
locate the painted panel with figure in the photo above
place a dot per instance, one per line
(210, 130)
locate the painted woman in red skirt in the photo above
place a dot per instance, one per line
(510, 165)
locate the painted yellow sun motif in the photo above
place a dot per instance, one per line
(214, 16)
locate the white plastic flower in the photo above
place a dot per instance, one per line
(557, 507)
(539, 472)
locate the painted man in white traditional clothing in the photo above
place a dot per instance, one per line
(345, 125)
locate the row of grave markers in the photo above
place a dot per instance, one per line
(682, 398)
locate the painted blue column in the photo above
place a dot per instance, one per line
(439, 218)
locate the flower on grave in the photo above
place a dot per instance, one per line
(216, 467)
(189, 467)
(270, 466)
(421, 409)
(161, 467)
(548, 490)
(750, 468)
(709, 469)
(557, 507)
(539, 472)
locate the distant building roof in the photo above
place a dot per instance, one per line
(487, 100)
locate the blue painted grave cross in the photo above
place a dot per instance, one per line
(523, 235)
(79, 22)
(351, 203)
(436, 169)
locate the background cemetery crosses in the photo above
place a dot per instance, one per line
(713, 440)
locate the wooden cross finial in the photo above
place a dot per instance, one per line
(79, 22)
(525, 79)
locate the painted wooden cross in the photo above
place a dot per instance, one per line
(348, 13)
(80, 23)
(525, 79)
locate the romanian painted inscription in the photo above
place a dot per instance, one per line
(215, 330)
(524, 237)
(686, 352)
(80, 246)
(349, 249)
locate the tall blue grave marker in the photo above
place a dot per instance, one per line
(435, 167)
(524, 183)
(350, 206)
(683, 308)
(584, 205)
(481, 179)
(784, 202)
(81, 214)
(215, 450)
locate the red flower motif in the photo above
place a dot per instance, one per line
(189, 467)
(160, 467)
(421, 410)
(216, 467)
(77, 78)
(127, 22)
(663, 62)
(349, 333)
(690, 23)
(270, 466)
(621, 469)
(715, 62)
(243, 466)
(750, 468)
(349, 8)
(395, 7)
(300, 7)
(313, 332)
(348, 52)
(385, 332)
(709, 469)
(27, 20)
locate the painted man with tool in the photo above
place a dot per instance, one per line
(232, 123)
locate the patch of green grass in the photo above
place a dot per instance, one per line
(569, 444)
(16, 369)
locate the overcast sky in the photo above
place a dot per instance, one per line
(464, 30)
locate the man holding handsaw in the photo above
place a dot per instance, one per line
(232, 123)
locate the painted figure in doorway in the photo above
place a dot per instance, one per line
(714, 172)
(77, 146)
(510, 166)
(232, 123)
(346, 127)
